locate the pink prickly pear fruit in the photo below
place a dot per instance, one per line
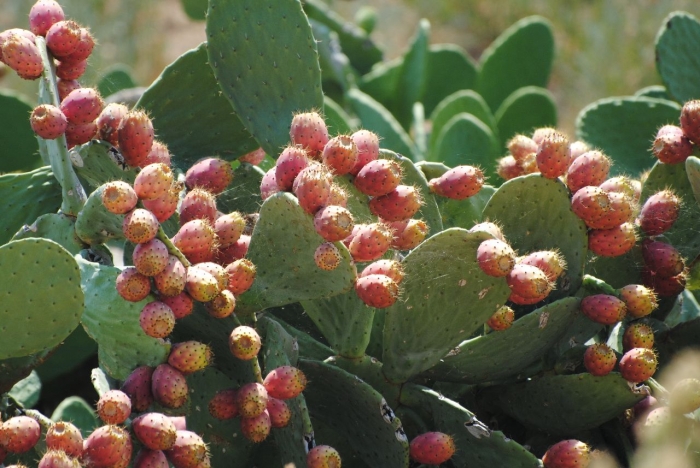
(43, 15)
(190, 356)
(309, 131)
(155, 431)
(279, 412)
(268, 185)
(64, 86)
(6, 34)
(603, 308)
(197, 240)
(153, 181)
(19, 434)
(66, 437)
(235, 251)
(640, 300)
(612, 242)
(69, 70)
(590, 168)
(211, 174)
(251, 400)
(151, 258)
(520, 300)
(539, 135)
(62, 38)
(489, 227)
(664, 287)
(671, 145)
(333, 223)
(458, 183)
(180, 422)
(159, 154)
(495, 257)
(188, 451)
(591, 203)
(138, 386)
(638, 335)
(690, 120)
(84, 48)
(223, 404)
(553, 155)
(520, 146)
(170, 281)
(22, 55)
(659, 213)
(285, 382)
(502, 319)
(432, 448)
(77, 134)
(198, 204)
(367, 149)
(638, 364)
(140, 226)
(256, 429)
(118, 197)
(165, 206)
(201, 285)
(599, 359)
(338, 196)
(390, 268)
(114, 407)
(48, 122)
(107, 447)
(567, 454)
(663, 259)
(621, 184)
(109, 120)
(399, 204)
(157, 319)
(551, 262)
(223, 305)
(378, 177)
(327, 256)
(150, 459)
(229, 228)
(340, 154)
(217, 271)
(241, 275)
(312, 187)
(621, 211)
(578, 148)
(290, 163)
(181, 304)
(370, 242)
(244, 343)
(82, 106)
(408, 234)
(132, 285)
(255, 157)
(508, 168)
(169, 386)
(135, 136)
(529, 282)
(57, 459)
(323, 456)
(377, 291)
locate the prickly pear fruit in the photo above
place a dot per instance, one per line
(664, 287)
(432, 448)
(502, 319)
(201, 285)
(43, 15)
(77, 134)
(170, 281)
(338, 196)
(251, 400)
(114, 407)
(603, 308)
(290, 163)
(64, 86)
(256, 429)
(62, 38)
(529, 282)
(244, 343)
(508, 168)
(567, 454)
(399, 204)
(223, 405)
(190, 356)
(197, 240)
(19, 434)
(223, 304)
(22, 55)
(109, 120)
(235, 251)
(590, 203)
(378, 291)
(690, 120)
(211, 174)
(541, 133)
(157, 319)
(520, 146)
(578, 148)
(181, 304)
(599, 359)
(150, 459)
(685, 396)
(551, 262)
(118, 197)
(140, 226)
(268, 184)
(620, 211)
(138, 386)
(188, 451)
(312, 187)
(108, 447)
(65, 436)
(640, 300)
(155, 431)
(390, 268)
(57, 459)
(229, 228)
(638, 364)
(590, 168)
(48, 121)
(367, 149)
(327, 256)
(159, 154)
(370, 242)
(169, 386)
(309, 131)
(659, 213)
(285, 382)
(153, 181)
(621, 184)
(82, 106)
(135, 136)
(279, 412)
(333, 223)
(458, 183)
(241, 275)
(340, 154)
(408, 234)
(255, 157)
(553, 155)
(378, 177)
(489, 227)
(638, 335)
(671, 145)
(132, 285)
(495, 257)
(85, 45)
(150, 258)
(217, 271)
(198, 204)
(69, 70)
(612, 242)
(663, 259)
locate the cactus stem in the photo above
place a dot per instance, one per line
(595, 285)
(172, 250)
(43, 421)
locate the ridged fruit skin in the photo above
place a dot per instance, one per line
(170, 281)
(114, 407)
(663, 259)
(229, 228)
(150, 258)
(590, 168)
(640, 300)
(251, 400)
(690, 120)
(458, 183)
(638, 364)
(502, 319)
(82, 106)
(132, 285)
(153, 181)
(398, 205)
(119, 197)
(198, 204)
(138, 386)
(188, 451)
(169, 386)
(553, 155)
(312, 187)
(190, 356)
(223, 304)
(22, 55)
(135, 136)
(567, 454)
(390, 268)
(256, 429)
(327, 256)
(280, 414)
(241, 275)
(285, 382)
(495, 258)
(65, 436)
(223, 404)
(140, 226)
(599, 359)
(109, 120)
(333, 223)
(529, 282)
(244, 342)
(408, 234)
(378, 177)
(155, 430)
(340, 154)
(603, 308)
(211, 174)
(367, 149)
(107, 447)
(157, 320)
(432, 448)
(370, 242)
(150, 459)
(672, 145)
(63, 37)
(551, 262)
(309, 131)
(19, 434)
(48, 121)
(377, 291)
(43, 15)
(612, 242)
(659, 213)
(290, 163)
(638, 335)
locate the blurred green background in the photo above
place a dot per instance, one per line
(604, 47)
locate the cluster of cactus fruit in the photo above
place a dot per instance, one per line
(355, 298)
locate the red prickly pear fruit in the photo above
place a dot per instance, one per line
(157, 319)
(489, 227)
(155, 431)
(551, 262)
(671, 145)
(620, 212)
(256, 429)
(181, 305)
(159, 154)
(114, 407)
(251, 400)
(188, 451)
(169, 386)
(150, 459)
(65, 87)
(323, 456)
(190, 356)
(268, 184)
(690, 120)
(77, 134)
(241, 275)
(170, 281)
(590, 168)
(8, 33)
(138, 386)
(132, 285)
(211, 174)
(229, 228)
(539, 135)
(201, 285)
(640, 300)
(378, 177)
(399, 204)
(638, 364)
(612, 242)
(309, 131)
(290, 163)
(553, 155)
(82, 106)
(659, 213)
(135, 136)
(333, 223)
(48, 122)
(19, 434)
(591, 203)
(57, 459)
(663, 259)
(367, 149)
(62, 38)
(520, 146)
(520, 300)
(340, 154)
(119, 197)
(150, 258)
(165, 206)
(567, 454)
(279, 412)
(377, 291)
(432, 448)
(244, 343)
(84, 49)
(234, 252)
(69, 70)
(66, 437)
(621, 184)
(502, 319)
(180, 422)
(390, 268)
(153, 181)
(255, 157)
(43, 15)
(197, 240)
(140, 226)
(285, 382)
(327, 256)
(370, 242)
(495, 257)
(508, 168)
(108, 447)
(599, 359)
(338, 196)
(458, 183)
(22, 55)
(603, 308)
(528, 282)
(408, 234)
(223, 404)
(312, 187)
(198, 204)
(109, 120)
(638, 335)
(578, 148)
(217, 271)
(223, 305)
(664, 287)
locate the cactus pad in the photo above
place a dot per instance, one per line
(462, 73)
(243, 194)
(20, 148)
(56, 227)
(461, 101)
(523, 111)
(676, 55)
(97, 163)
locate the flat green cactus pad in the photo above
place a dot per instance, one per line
(654, 91)
(20, 150)
(56, 227)
(265, 60)
(450, 69)
(42, 301)
(468, 101)
(96, 225)
(195, 9)
(523, 111)
(465, 213)
(78, 411)
(96, 164)
(114, 79)
(309, 348)
(676, 55)
(411, 82)
(27, 391)
(446, 297)
(337, 120)
(243, 194)
(381, 82)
